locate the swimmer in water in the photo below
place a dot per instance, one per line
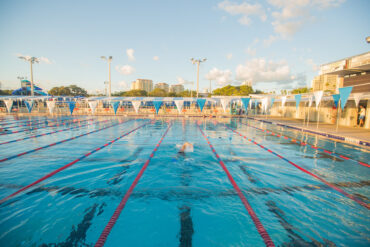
(186, 146)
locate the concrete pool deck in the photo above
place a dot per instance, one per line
(354, 135)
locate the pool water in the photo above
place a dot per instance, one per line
(180, 199)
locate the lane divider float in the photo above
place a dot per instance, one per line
(261, 230)
(31, 125)
(309, 145)
(35, 120)
(69, 164)
(60, 142)
(352, 197)
(43, 127)
(50, 133)
(104, 235)
(14, 121)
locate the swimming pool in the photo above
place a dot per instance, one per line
(120, 181)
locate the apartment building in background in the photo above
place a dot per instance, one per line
(142, 84)
(162, 85)
(177, 88)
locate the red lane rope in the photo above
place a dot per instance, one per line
(309, 145)
(14, 121)
(261, 230)
(50, 133)
(56, 125)
(104, 235)
(68, 165)
(355, 199)
(60, 142)
(46, 121)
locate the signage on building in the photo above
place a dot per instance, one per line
(359, 60)
(332, 67)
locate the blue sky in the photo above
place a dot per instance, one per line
(276, 44)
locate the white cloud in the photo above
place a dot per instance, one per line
(271, 39)
(123, 85)
(125, 69)
(291, 15)
(45, 60)
(182, 81)
(313, 65)
(288, 28)
(244, 20)
(155, 58)
(245, 10)
(259, 70)
(221, 77)
(130, 54)
(229, 56)
(251, 51)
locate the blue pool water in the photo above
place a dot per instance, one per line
(180, 200)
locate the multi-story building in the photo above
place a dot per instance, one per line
(352, 71)
(142, 84)
(328, 83)
(162, 85)
(247, 83)
(177, 88)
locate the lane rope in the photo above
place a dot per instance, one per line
(341, 156)
(35, 120)
(69, 164)
(43, 127)
(352, 197)
(31, 125)
(261, 230)
(104, 235)
(50, 133)
(14, 121)
(60, 142)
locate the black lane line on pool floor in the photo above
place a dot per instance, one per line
(61, 123)
(53, 132)
(315, 147)
(77, 236)
(177, 194)
(296, 239)
(185, 218)
(352, 197)
(69, 164)
(60, 142)
(104, 235)
(260, 228)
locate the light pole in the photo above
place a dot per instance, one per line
(198, 61)
(32, 60)
(109, 60)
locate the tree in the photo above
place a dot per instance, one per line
(258, 92)
(71, 90)
(157, 92)
(186, 93)
(6, 92)
(229, 90)
(77, 91)
(133, 93)
(58, 91)
(172, 94)
(301, 90)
